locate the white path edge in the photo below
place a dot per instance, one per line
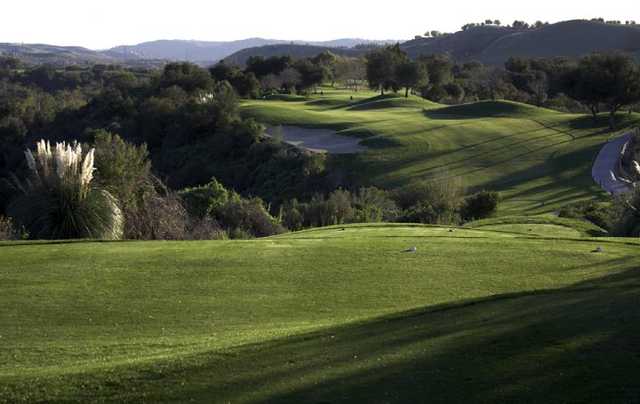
(605, 166)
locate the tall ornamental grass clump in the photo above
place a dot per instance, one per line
(59, 200)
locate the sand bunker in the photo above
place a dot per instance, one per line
(317, 140)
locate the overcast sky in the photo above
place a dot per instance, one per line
(106, 23)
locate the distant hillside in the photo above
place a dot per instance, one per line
(295, 51)
(57, 55)
(36, 54)
(462, 45)
(195, 51)
(158, 52)
(487, 44)
(203, 52)
(494, 45)
(571, 38)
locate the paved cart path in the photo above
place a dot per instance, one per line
(604, 168)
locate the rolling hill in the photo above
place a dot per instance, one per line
(209, 52)
(56, 55)
(571, 38)
(487, 44)
(540, 160)
(495, 44)
(338, 314)
(156, 52)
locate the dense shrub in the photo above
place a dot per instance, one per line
(247, 216)
(205, 199)
(435, 93)
(238, 216)
(374, 205)
(625, 215)
(160, 216)
(367, 205)
(480, 206)
(206, 228)
(435, 201)
(121, 167)
(425, 212)
(7, 229)
(598, 213)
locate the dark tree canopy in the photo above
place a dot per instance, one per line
(411, 75)
(381, 67)
(612, 80)
(189, 77)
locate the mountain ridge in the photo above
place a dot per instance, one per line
(213, 51)
(491, 44)
(158, 51)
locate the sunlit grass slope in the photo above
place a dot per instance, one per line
(539, 159)
(328, 315)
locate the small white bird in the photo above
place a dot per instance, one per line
(411, 250)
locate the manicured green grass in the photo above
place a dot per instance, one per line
(543, 225)
(539, 159)
(327, 315)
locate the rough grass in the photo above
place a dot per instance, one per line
(540, 160)
(328, 315)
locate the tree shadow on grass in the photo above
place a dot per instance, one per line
(573, 344)
(623, 120)
(576, 344)
(484, 109)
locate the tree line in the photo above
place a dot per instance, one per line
(597, 82)
(519, 25)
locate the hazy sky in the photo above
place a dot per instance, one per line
(105, 23)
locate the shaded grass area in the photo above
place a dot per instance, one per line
(545, 225)
(327, 315)
(540, 160)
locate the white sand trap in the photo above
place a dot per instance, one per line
(318, 140)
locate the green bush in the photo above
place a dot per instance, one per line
(433, 202)
(240, 217)
(480, 206)
(248, 216)
(367, 205)
(598, 213)
(625, 215)
(206, 199)
(122, 168)
(373, 205)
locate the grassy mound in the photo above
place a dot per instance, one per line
(489, 109)
(328, 315)
(540, 160)
(392, 101)
(544, 225)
